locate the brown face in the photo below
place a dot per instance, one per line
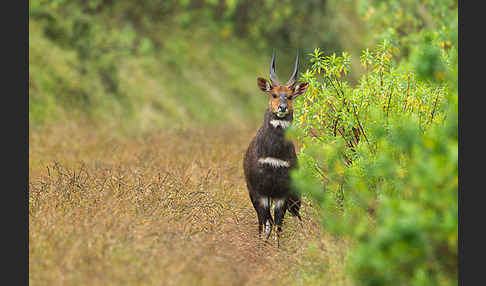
(281, 96)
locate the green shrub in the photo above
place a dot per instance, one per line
(380, 160)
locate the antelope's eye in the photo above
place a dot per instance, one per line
(289, 97)
(274, 95)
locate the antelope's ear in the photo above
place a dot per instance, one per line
(264, 85)
(300, 88)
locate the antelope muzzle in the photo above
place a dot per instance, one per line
(283, 109)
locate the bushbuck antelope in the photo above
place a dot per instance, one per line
(270, 157)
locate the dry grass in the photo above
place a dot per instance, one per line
(165, 208)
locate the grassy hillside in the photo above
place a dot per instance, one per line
(171, 62)
(198, 77)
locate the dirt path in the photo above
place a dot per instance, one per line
(165, 208)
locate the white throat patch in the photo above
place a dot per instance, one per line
(274, 162)
(281, 123)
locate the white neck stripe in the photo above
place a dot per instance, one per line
(274, 162)
(281, 123)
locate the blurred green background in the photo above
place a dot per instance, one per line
(175, 62)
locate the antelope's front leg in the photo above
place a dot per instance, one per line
(265, 220)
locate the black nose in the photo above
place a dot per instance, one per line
(282, 107)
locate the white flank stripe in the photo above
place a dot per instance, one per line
(281, 123)
(274, 162)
